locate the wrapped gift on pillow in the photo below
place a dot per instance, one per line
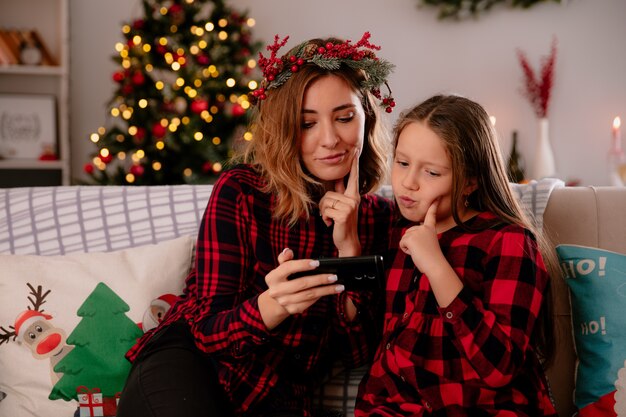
(90, 402)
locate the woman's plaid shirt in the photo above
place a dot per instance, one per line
(238, 244)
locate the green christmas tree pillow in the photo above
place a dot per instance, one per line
(597, 283)
(67, 321)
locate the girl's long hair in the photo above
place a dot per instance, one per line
(471, 142)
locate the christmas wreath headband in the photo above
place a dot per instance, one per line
(359, 56)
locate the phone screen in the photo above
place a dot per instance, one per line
(355, 273)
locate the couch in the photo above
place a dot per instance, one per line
(63, 222)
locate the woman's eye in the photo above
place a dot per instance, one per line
(346, 118)
(307, 125)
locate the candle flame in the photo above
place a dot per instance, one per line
(617, 122)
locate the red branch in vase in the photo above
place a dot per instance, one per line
(538, 89)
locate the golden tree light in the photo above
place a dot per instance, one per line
(156, 165)
(198, 136)
(230, 82)
(121, 155)
(149, 67)
(217, 167)
(163, 41)
(251, 22)
(119, 47)
(115, 112)
(159, 85)
(173, 28)
(120, 138)
(101, 130)
(222, 23)
(126, 29)
(163, 10)
(175, 66)
(203, 44)
(223, 35)
(209, 27)
(137, 39)
(252, 85)
(147, 48)
(130, 178)
(160, 145)
(132, 130)
(187, 172)
(216, 140)
(143, 103)
(94, 137)
(247, 136)
(180, 81)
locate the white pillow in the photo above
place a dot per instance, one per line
(97, 300)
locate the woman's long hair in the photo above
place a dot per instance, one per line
(277, 129)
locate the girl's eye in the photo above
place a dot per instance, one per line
(433, 173)
(307, 125)
(401, 163)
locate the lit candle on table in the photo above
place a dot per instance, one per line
(617, 138)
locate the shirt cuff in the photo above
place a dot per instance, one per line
(453, 312)
(253, 322)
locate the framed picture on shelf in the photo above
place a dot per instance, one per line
(28, 127)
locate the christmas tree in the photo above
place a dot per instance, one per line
(181, 95)
(101, 339)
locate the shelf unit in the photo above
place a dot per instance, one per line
(51, 19)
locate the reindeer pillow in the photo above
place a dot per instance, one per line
(67, 321)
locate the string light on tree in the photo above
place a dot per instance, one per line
(186, 68)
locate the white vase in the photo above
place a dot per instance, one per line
(544, 158)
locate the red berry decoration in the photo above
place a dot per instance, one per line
(199, 105)
(237, 110)
(118, 76)
(137, 170)
(138, 78)
(207, 167)
(88, 168)
(294, 68)
(158, 130)
(106, 159)
(140, 135)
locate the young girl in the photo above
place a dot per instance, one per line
(244, 339)
(464, 333)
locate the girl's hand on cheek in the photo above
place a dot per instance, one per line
(421, 243)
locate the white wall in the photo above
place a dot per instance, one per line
(475, 58)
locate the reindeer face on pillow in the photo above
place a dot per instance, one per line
(35, 330)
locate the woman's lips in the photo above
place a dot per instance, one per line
(333, 159)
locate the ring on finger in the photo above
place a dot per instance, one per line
(334, 204)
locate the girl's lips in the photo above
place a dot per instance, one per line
(406, 201)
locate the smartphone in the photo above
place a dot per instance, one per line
(354, 272)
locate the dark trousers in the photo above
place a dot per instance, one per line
(172, 378)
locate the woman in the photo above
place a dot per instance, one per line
(245, 339)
